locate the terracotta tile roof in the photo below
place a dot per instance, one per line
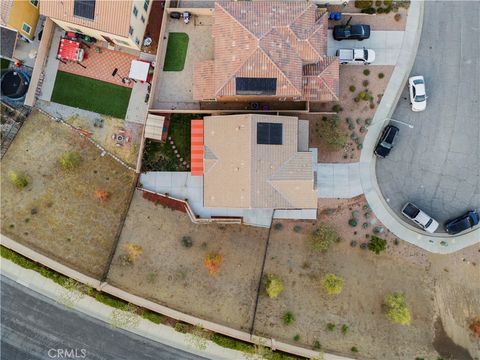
(110, 16)
(240, 173)
(203, 85)
(265, 39)
(5, 6)
(321, 80)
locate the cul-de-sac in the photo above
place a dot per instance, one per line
(240, 179)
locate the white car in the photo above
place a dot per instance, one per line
(356, 56)
(418, 96)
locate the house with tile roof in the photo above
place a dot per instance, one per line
(256, 161)
(266, 50)
(120, 23)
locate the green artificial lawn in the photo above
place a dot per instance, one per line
(176, 52)
(4, 63)
(90, 94)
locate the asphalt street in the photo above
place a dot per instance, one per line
(436, 165)
(34, 327)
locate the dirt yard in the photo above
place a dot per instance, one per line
(432, 297)
(172, 274)
(57, 212)
(355, 116)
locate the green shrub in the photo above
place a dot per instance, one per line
(370, 10)
(366, 72)
(337, 108)
(331, 327)
(358, 121)
(297, 228)
(345, 329)
(362, 129)
(69, 160)
(365, 225)
(332, 133)
(380, 10)
(112, 301)
(323, 237)
(332, 284)
(317, 345)
(356, 99)
(363, 4)
(352, 88)
(368, 121)
(354, 349)
(353, 243)
(397, 309)
(273, 286)
(288, 318)
(377, 245)
(278, 226)
(230, 343)
(365, 83)
(20, 180)
(352, 222)
(296, 337)
(152, 316)
(181, 327)
(355, 214)
(351, 126)
(187, 241)
(360, 146)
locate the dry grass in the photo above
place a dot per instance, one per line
(171, 273)
(57, 213)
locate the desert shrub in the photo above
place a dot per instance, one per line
(345, 329)
(356, 99)
(332, 133)
(230, 343)
(278, 226)
(352, 222)
(337, 108)
(354, 349)
(317, 345)
(377, 245)
(288, 318)
(363, 246)
(358, 121)
(370, 10)
(297, 228)
(365, 225)
(355, 214)
(102, 195)
(381, 75)
(378, 3)
(368, 121)
(331, 327)
(378, 230)
(353, 243)
(397, 17)
(362, 129)
(323, 237)
(397, 309)
(387, 10)
(360, 146)
(351, 126)
(332, 284)
(380, 10)
(366, 72)
(181, 327)
(133, 251)
(365, 83)
(396, 242)
(187, 241)
(212, 263)
(372, 105)
(152, 316)
(69, 160)
(475, 327)
(352, 88)
(363, 4)
(19, 180)
(296, 337)
(273, 286)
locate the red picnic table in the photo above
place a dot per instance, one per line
(70, 50)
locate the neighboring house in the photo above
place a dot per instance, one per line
(266, 50)
(121, 22)
(255, 161)
(20, 15)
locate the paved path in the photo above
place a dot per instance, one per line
(437, 164)
(34, 327)
(386, 45)
(338, 180)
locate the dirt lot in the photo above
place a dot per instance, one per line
(357, 112)
(171, 274)
(368, 278)
(57, 213)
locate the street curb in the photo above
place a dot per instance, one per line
(440, 243)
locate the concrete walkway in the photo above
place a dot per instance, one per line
(90, 307)
(338, 180)
(386, 45)
(434, 243)
(51, 67)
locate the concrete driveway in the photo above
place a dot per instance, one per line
(386, 45)
(436, 165)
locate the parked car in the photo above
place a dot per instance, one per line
(351, 32)
(423, 220)
(356, 56)
(418, 95)
(462, 223)
(386, 141)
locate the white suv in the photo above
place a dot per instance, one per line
(418, 96)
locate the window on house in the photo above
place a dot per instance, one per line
(146, 4)
(121, 42)
(256, 86)
(84, 8)
(269, 133)
(137, 41)
(26, 28)
(130, 30)
(34, 2)
(142, 18)
(135, 11)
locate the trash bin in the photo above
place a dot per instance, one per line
(338, 16)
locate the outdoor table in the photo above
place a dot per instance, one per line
(70, 50)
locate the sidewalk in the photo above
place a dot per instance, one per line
(90, 307)
(436, 243)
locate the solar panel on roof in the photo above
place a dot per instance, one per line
(256, 86)
(269, 133)
(84, 8)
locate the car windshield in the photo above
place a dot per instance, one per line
(417, 82)
(420, 98)
(365, 54)
(429, 223)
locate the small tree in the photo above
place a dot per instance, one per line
(377, 245)
(323, 237)
(18, 179)
(212, 263)
(69, 160)
(475, 327)
(288, 318)
(332, 133)
(133, 252)
(332, 284)
(397, 309)
(102, 195)
(273, 285)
